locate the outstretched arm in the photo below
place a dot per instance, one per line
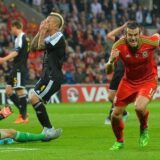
(8, 57)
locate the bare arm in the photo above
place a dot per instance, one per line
(41, 42)
(38, 41)
(8, 57)
(34, 43)
(109, 68)
(112, 35)
(110, 64)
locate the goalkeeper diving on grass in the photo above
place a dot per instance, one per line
(9, 136)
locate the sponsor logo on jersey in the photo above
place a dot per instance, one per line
(42, 87)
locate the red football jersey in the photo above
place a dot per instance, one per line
(139, 65)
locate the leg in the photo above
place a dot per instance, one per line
(8, 134)
(19, 86)
(14, 98)
(117, 123)
(111, 96)
(43, 90)
(19, 101)
(21, 93)
(15, 80)
(124, 96)
(41, 112)
(28, 137)
(117, 127)
(141, 111)
(48, 130)
(142, 114)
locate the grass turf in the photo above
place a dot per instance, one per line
(85, 137)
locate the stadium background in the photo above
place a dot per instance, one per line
(86, 25)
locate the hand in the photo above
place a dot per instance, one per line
(114, 55)
(2, 60)
(124, 25)
(43, 26)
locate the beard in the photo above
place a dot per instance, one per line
(132, 48)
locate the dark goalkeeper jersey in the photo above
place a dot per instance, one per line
(54, 56)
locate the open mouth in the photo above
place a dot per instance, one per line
(133, 43)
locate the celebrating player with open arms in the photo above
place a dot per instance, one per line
(139, 82)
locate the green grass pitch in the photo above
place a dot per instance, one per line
(85, 137)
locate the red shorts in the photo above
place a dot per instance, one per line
(127, 92)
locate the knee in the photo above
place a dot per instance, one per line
(34, 99)
(116, 114)
(20, 92)
(111, 97)
(139, 108)
(9, 90)
(11, 132)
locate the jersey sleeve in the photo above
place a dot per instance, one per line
(18, 44)
(117, 45)
(51, 42)
(153, 40)
(156, 39)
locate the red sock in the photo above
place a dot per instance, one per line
(117, 127)
(143, 119)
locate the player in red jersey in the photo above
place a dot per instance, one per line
(139, 82)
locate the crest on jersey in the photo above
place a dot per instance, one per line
(145, 54)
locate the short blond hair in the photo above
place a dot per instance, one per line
(58, 16)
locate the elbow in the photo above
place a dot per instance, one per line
(110, 37)
(109, 71)
(109, 68)
(32, 49)
(40, 47)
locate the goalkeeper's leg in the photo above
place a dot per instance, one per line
(21, 136)
(27, 137)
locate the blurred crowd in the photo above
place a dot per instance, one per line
(86, 24)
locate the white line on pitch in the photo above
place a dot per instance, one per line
(16, 149)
